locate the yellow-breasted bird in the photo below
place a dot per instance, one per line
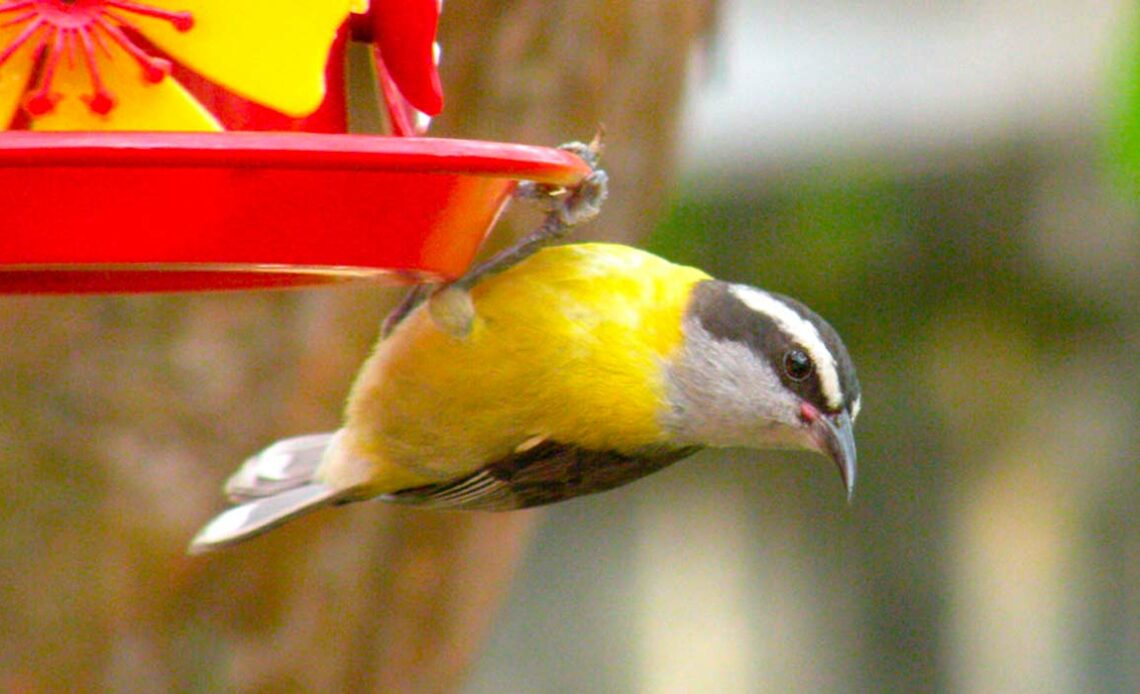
(583, 367)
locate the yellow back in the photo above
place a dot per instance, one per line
(567, 345)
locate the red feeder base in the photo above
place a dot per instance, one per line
(146, 212)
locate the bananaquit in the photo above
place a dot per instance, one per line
(580, 368)
(550, 373)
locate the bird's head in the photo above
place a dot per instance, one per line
(761, 370)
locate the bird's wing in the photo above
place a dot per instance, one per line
(541, 474)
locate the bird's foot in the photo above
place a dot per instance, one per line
(566, 207)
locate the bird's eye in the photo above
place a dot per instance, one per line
(797, 365)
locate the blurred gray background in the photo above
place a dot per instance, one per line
(930, 177)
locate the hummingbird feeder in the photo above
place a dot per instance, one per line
(184, 145)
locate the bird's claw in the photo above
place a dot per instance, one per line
(584, 202)
(585, 199)
(589, 152)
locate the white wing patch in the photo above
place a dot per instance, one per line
(478, 487)
(804, 332)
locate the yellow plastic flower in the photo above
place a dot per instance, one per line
(105, 64)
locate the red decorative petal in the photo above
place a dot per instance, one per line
(401, 114)
(404, 33)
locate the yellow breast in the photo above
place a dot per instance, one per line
(567, 345)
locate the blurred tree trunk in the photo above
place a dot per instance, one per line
(121, 417)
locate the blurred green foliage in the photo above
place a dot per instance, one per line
(1121, 109)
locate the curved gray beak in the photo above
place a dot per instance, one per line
(834, 437)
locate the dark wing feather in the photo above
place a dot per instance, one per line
(543, 474)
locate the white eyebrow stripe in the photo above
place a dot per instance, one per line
(805, 333)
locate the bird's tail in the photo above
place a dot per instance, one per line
(285, 465)
(255, 517)
(273, 486)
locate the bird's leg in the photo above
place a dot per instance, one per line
(567, 208)
(415, 296)
(450, 305)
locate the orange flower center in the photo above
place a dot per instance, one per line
(61, 28)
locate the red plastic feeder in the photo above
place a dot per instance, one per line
(145, 212)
